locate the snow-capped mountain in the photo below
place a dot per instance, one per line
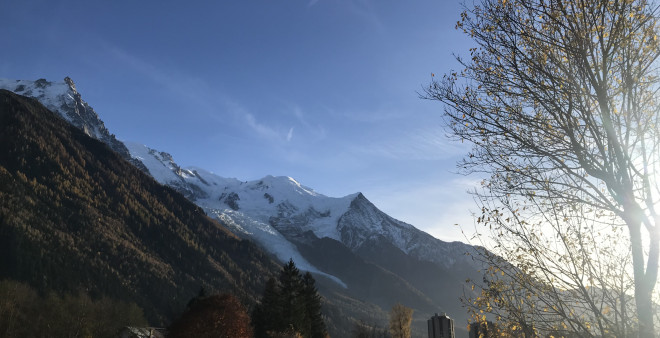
(291, 220)
(273, 204)
(64, 99)
(252, 208)
(280, 205)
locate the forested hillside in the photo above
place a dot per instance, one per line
(75, 216)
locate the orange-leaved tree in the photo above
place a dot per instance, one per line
(214, 316)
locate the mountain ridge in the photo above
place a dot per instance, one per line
(291, 220)
(406, 237)
(64, 99)
(76, 216)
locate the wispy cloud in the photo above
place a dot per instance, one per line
(315, 130)
(289, 135)
(261, 129)
(254, 124)
(207, 99)
(193, 89)
(369, 116)
(428, 144)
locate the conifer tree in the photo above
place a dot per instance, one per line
(267, 316)
(290, 304)
(293, 305)
(312, 301)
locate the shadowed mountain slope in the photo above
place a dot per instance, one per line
(75, 215)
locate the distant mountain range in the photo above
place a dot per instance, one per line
(365, 260)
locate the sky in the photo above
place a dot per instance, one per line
(324, 91)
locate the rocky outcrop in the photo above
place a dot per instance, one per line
(64, 99)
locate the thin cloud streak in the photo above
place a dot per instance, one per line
(198, 92)
(373, 116)
(428, 144)
(317, 131)
(289, 136)
(171, 82)
(259, 128)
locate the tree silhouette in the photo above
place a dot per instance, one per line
(312, 301)
(559, 100)
(290, 305)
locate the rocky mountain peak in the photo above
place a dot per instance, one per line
(63, 99)
(72, 85)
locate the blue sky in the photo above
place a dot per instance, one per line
(324, 91)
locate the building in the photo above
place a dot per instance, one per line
(441, 326)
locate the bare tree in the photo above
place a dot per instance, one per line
(400, 320)
(559, 101)
(567, 277)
